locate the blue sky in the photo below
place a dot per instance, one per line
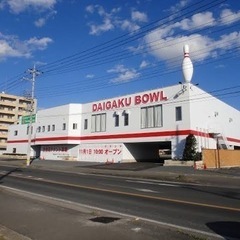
(92, 50)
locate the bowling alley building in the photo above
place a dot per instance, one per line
(137, 127)
(130, 128)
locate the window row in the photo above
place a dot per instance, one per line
(52, 127)
(151, 117)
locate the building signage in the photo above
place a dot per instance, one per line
(108, 153)
(54, 152)
(129, 101)
(28, 119)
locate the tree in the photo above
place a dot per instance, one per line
(190, 150)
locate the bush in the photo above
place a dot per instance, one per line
(190, 150)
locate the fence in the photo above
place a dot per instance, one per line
(220, 158)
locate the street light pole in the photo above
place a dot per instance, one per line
(34, 74)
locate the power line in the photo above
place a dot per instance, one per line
(98, 83)
(130, 36)
(99, 49)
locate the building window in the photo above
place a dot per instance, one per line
(126, 119)
(116, 120)
(49, 128)
(14, 150)
(85, 124)
(28, 127)
(178, 113)
(15, 133)
(39, 129)
(64, 126)
(74, 125)
(53, 127)
(151, 116)
(43, 128)
(99, 122)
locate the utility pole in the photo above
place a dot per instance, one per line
(34, 73)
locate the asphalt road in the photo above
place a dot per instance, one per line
(200, 209)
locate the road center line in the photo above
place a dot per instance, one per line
(131, 194)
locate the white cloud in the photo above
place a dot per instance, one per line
(110, 20)
(104, 27)
(90, 8)
(124, 74)
(220, 66)
(7, 51)
(199, 20)
(11, 46)
(90, 76)
(166, 43)
(170, 47)
(18, 6)
(40, 44)
(179, 6)
(139, 16)
(144, 64)
(129, 26)
(42, 21)
(228, 17)
(227, 41)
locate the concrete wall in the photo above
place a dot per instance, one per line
(220, 158)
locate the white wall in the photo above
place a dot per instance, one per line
(209, 114)
(59, 152)
(174, 98)
(107, 153)
(68, 114)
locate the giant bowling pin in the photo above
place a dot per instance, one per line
(187, 66)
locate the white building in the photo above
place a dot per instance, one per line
(130, 128)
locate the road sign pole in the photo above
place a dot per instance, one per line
(34, 74)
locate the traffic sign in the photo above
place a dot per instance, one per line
(28, 119)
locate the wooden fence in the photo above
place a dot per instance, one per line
(220, 158)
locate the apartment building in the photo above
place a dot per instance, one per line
(12, 108)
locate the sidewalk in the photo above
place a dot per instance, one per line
(155, 171)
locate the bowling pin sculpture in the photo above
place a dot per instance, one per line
(187, 66)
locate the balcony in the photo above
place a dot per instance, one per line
(3, 135)
(8, 103)
(3, 127)
(7, 120)
(6, 111)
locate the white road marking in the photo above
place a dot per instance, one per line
(136, 229)
(146, 190)
(154, 183)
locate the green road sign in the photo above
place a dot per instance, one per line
(27, 119)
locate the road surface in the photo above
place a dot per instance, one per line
(211, 211)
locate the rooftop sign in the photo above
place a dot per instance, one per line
(129, 101)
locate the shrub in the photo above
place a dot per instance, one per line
(190, 150)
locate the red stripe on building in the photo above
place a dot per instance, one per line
(112, 136)
(122, 136)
